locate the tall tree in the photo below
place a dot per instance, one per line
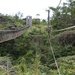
(63, 16)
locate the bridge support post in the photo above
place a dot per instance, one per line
(29, 21)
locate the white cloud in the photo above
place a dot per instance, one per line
(27, 7)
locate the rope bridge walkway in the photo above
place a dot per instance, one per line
(6, 35)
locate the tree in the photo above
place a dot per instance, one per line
(63, 16)
(36, 21)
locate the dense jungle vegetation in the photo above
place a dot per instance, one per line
(30, 53)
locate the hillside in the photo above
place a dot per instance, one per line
(31, 53)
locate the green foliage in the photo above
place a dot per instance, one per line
(36, 21)
(66, 65)
(43, 22)
(33, 54)
(65, 38)
(5, 65)
(63, 16)
(8, 20)
(30, 53)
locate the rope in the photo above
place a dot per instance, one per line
(59, 3)
(51, 48)
(64, 29)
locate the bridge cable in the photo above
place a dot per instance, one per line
(64, 29)
(49, 39)
(52, 51)
(59, 3)
(51, 48)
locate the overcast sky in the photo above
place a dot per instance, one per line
(27, 7)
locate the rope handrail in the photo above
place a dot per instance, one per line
(16, 30)
(64, 29)
(50, 45)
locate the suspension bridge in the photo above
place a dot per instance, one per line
(6, 35)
